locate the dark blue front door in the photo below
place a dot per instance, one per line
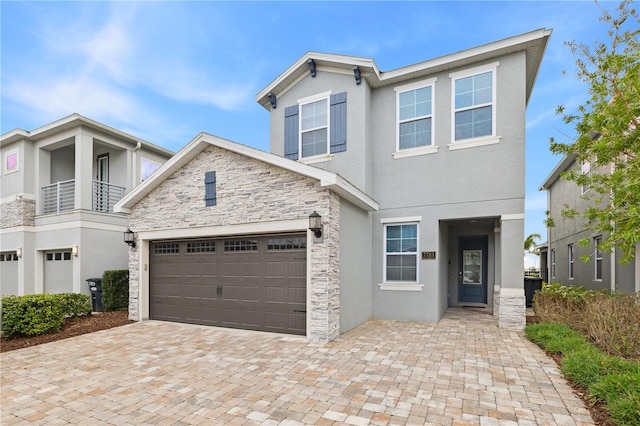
(472, 270)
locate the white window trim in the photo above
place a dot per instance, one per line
(473, 143)
(414, 152)
(469, 72)
(553, 263)
(6, 155)
(585, 169)
(308, 100)
(406, 88)
(595, 258)
(400, 285)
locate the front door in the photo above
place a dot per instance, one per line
(472, 270)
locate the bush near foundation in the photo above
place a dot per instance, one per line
(608, 379)
(611, 321)
(115, 289)
(36, 314)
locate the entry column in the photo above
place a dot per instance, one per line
(512, 300)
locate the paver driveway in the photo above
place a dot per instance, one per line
(461, 371)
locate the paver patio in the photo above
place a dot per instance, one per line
(461, 371)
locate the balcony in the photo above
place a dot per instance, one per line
(60, 196)
(105, 196)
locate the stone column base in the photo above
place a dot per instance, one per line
(512, 309)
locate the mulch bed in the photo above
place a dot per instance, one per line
(70, 328)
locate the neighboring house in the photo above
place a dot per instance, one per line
(59, 184)
(562, 251)
(417, 175)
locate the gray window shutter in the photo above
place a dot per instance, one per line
(291, 132)
(210, 196)
(338, 114)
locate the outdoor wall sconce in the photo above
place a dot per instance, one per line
(19, 252)
(272, 99)
(315, 224)
(130, 238)
(312, 67)
(74, 251)
(357, 75)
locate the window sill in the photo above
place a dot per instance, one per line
(423, 150)
(316, 159)
(472, 143)
(401, 286)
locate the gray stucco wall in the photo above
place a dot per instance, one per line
(355, 266)
(571, 230)
(353, 163)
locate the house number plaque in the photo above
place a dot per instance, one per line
(428, 255)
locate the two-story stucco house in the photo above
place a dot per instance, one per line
(416, 174)
(59, 184)
(562, 252)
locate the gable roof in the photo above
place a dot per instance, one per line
(533, 43)
(329, 180)
(70, 122)
(563, 165)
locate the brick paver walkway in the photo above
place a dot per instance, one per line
(461, 371)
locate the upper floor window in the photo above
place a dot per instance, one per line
(598, 255)
(147, 167)
(414, 115)
(585, 170)
(570, 256)
(474, 103)
(316, 126)
(11, 163)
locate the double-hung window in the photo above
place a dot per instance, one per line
(598, 255)
(570, 256)
(401, 252)
(415, 115)
(314, 128)
(474, 103)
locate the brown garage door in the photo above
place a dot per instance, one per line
(254, 283)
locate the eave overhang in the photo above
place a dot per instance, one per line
(328, 180)
(532, 43)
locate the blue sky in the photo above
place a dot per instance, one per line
(165, 71)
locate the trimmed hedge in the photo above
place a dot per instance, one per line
(36, 314)
(115, 289)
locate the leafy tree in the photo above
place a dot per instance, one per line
(608, 132)
(530, 243)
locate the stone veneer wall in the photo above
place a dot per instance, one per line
(17, 213)
(511, 310)
(248, 191)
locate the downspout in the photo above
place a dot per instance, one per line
(613, 270)
(134, 166)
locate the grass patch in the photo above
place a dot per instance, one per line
(597, 335)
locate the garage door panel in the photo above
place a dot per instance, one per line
(255, 283)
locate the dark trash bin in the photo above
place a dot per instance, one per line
(531, 285)
(95, 285)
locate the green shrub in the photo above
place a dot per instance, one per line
(37, 314)
(621, 392)
(31, 315)
(115, 290)
(74, 304)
